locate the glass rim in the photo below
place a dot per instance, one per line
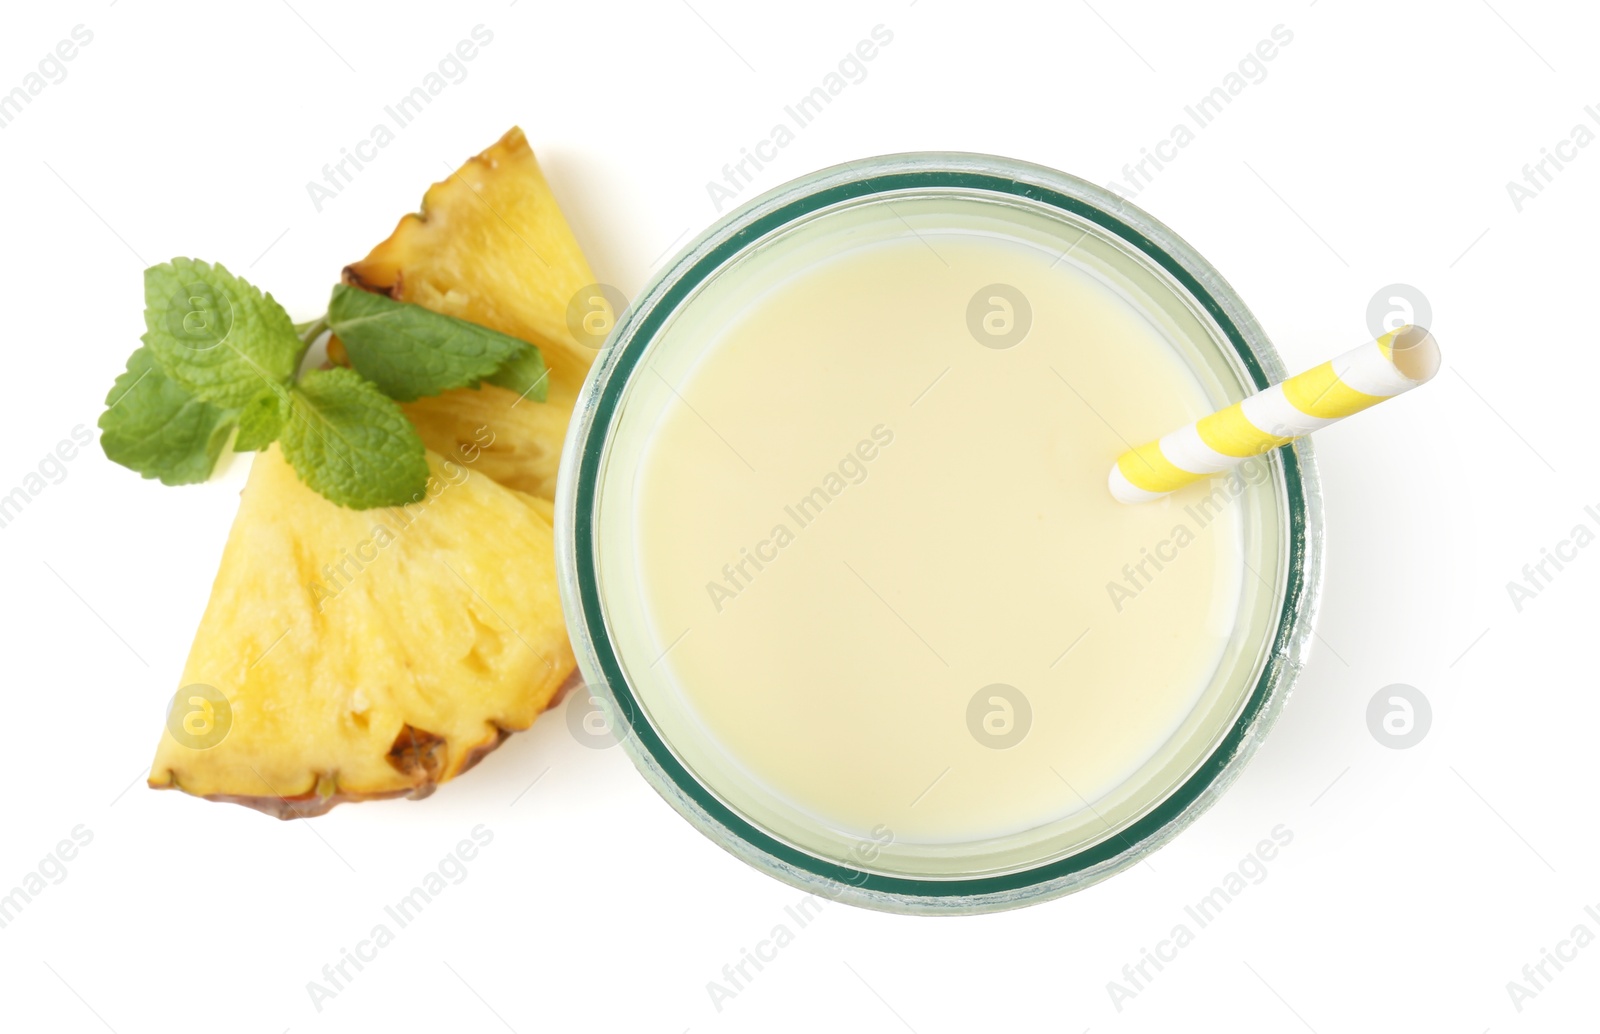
(595, 416)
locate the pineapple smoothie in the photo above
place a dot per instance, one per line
(877, 551)
(839, 557)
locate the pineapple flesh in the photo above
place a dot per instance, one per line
(355, 655)
(369, 653)
(491, 246)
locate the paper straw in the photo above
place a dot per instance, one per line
(1362, 377)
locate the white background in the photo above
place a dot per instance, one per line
(1376, 151)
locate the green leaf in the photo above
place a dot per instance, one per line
(261, 420)
(218, 337)
(409, 351)
(525, 374)
(351, 444)
(152, 425)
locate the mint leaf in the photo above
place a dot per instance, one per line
(409, 351)
(525, 374)
(261, 420)
(215, 335)
(351, 444)
(152, 425)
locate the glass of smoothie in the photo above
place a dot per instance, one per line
(839, 560)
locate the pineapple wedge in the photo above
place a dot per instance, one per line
(491, 246)
(373, 653)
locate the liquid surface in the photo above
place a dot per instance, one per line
(879, 552)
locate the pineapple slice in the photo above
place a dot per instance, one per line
(491, 246)
(366, 654)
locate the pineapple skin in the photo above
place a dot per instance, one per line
(374, 653)
(491, 245)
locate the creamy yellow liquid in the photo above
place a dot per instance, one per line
(956, 533)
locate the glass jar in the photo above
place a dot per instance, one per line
(730, 268)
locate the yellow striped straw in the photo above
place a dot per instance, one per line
(1362, 377)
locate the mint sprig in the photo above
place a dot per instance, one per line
(219, 355)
